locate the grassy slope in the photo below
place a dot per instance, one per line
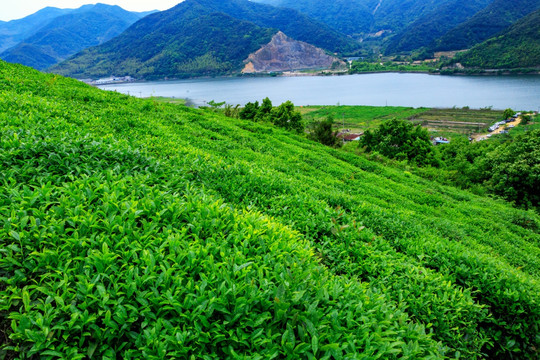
(293, 246)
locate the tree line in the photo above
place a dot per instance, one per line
(509, 168)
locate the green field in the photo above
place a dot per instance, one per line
(137, 229)
(444, 122)
(358, 67)
(170, 100)
(463, 121)
(357, 118)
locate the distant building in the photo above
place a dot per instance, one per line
(113, 80)
(354, 58)
(440, 140)
(347, 136)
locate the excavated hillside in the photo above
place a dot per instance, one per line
(283, 53)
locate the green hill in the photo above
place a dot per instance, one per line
(347, 16)
(362, 17)
(516, 47)
(429, 27)
(291, 22)
(402, 26)
(496, 17)
(197, 37)
(68, 34)
(133, 228)
(13, 32)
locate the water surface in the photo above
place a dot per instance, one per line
(393, 89)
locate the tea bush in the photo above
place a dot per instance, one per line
(137, 229)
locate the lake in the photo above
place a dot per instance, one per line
(393, 89)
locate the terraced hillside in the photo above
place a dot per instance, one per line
(136, 229)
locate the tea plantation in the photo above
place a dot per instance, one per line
(135, 229)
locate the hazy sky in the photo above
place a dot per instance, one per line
(17, 9)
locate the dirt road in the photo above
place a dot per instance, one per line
(480, 137)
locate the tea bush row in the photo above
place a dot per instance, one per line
(463, 266)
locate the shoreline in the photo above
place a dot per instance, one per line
(300, 74)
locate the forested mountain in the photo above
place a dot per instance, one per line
(293, 23)
(356, 17)
(13, 32)
(396, 15)
(516, 47)
(186, 40)
(68, 34)
(412, 24)
(197, 37)
(496, 17)
(426, 29)
(347, 16)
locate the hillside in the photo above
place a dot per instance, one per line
(396, 15)
(13, 32)
(68, 34)
(496, 17)
(291, 22)
(197, 37)
(141, 229)
(346, 16)
(431, 26)
(516, 47)
(366, 18)
(401, 26)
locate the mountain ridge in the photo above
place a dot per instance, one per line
(516, 47)
(496, 17)
(67, 34)
(180, 42)
(428, 28)
(14, 31)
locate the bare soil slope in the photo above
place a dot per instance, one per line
(283, 53)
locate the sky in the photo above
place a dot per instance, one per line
(17, 9)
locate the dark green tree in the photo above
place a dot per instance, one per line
(525, 119)
(231, 111)
(287, 117)
(514, 170)
(323, 133)
(249, 111)
(508, 113)
(215, 106)
(401, 140)
(264, 111)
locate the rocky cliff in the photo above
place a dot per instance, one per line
(285, 54)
